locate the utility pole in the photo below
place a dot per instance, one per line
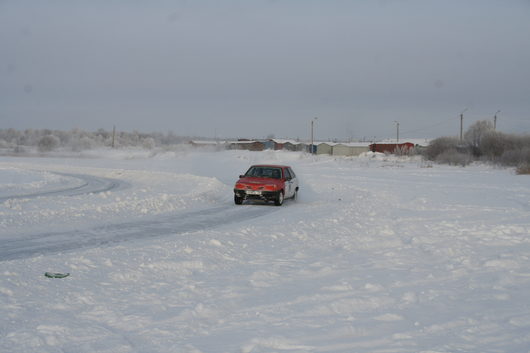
(113, 135)
(495, 120)
(397, 131)
(312, 136)
(462, 125)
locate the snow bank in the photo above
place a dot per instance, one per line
(149, 193)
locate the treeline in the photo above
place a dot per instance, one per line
(76, 140)
(482, 143)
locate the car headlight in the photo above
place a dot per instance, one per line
(271, 187)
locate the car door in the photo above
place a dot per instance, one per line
(289, 190)
(294, 181)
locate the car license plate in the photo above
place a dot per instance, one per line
(253, 192)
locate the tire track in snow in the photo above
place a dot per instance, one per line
(90, 185)
(108, 235)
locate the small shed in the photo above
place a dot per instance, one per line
(269, 144)
(249, 145)
(276, 144)
(301, 146)
(289, 146)
(358, 150)
(341, 150)
(350, 149)
(292, 145)
(324, 148)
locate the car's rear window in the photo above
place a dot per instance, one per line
(264, 172)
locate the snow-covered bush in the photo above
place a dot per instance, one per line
(516, 157)
(77, 140)
(494, 144)
(481, 143)
(148, 143)
(439, 146)
(453, 157)
(48, 143)
(475, 133)
(405, 151)
(524, 168)
(19, 149)
(83, 143)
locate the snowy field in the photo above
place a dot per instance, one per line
(378, 254)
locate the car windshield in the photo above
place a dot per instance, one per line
(264, 172)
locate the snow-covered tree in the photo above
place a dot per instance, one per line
(48, 143)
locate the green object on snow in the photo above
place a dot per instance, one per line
(56, 275)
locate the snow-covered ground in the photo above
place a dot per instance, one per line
(378, 254)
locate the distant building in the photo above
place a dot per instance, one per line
(421, 142)
(244, 144)
(289, 145)
(331, 148)
(350, 149)
(295, 146)
(324, 147)
(208, 144)
(391, 147)
(270, 145)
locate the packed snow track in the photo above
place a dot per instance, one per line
(88, 184)
(94, 197)
(55, 242)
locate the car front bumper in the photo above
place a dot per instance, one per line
(256, 194)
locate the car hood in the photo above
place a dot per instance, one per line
(254, 180)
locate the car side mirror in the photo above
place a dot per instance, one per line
(241, 176)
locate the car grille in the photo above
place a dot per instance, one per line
(248, 187)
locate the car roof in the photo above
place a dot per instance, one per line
(270, 165)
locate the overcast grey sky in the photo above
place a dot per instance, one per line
(253, 68)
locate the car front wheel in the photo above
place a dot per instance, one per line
(279, 199)
(238, 200)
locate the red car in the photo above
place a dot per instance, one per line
(268, 183)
